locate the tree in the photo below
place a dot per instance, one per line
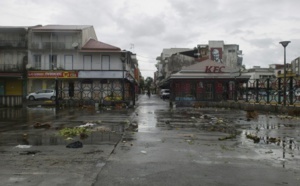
(148, 82)
(142, 85)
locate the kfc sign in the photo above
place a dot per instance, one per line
(214, 69)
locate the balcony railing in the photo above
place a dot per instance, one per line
(53, 45)
(11, 68)
(13, 44)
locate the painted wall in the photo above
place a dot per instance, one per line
(13, 87)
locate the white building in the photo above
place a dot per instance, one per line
(83, 67)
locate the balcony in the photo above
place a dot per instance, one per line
(11, 68)
(13, 44)
(53, 45)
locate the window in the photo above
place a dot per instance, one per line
(87, 62)
(231, 50)
(105, 62)
(68, 62)
(37, 62)
(52, 62)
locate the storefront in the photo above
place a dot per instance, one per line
(47, 79)
(11, 84)
(85, 87)
(206, 81)
(11, 89)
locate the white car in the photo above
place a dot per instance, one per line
(297, 92)
(42, 94)
(165, 93)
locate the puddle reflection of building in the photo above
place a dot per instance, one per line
(11, 114)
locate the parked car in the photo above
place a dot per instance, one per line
(165, 93)
(297, 92)
(42, 94)
(280, 93)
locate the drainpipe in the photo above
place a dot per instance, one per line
(56, 94)
(123, 59)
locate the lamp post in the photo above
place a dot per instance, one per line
(284, 44)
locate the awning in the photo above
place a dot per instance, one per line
(7, 74)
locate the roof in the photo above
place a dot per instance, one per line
(201, 67)
(208, 69)
(96, 46)
(13, 28)
(61, 27)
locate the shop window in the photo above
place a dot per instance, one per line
(37, 62)
(53, 62)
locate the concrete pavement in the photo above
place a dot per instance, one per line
(159, 154)
(178, 146)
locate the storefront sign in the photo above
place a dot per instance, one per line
(52, 74)
(214, 69)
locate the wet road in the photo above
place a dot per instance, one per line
(172, 147)
(38, 156)
(178, 146)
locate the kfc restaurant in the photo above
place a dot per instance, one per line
(206, 81)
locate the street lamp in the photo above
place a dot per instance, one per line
(284, 44)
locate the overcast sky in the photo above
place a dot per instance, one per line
(146, 27)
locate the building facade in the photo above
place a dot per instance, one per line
(13, 59)
(207, 81)
(70, 59)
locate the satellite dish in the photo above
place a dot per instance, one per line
(74, 45)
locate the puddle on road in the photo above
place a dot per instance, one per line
(18, 126)
(278, 136)
(268, 128)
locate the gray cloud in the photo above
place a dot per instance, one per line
(257, 26)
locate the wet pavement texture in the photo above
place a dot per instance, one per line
(185, 146)
(151, 144)
(38, 156)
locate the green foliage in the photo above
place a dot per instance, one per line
(72, 132)
(142, 84)
(148, 82)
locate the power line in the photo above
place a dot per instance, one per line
(146, 57)
(147, 61)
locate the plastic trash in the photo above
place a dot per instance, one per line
(76, 144)
(23, 146)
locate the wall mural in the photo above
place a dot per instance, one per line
(216, 54)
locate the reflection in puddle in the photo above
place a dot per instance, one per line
(280, 136)
(39, 126)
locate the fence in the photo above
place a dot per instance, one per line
(270, 91)
(11, 101)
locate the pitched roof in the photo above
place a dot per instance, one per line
(201, 66)
(60, 27)
(208, 69)
(96, 46)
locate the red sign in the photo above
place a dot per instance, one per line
(52, 74)
(214, 69)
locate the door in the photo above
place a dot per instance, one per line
(1, 88)
(68, 62)
(209, 91)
